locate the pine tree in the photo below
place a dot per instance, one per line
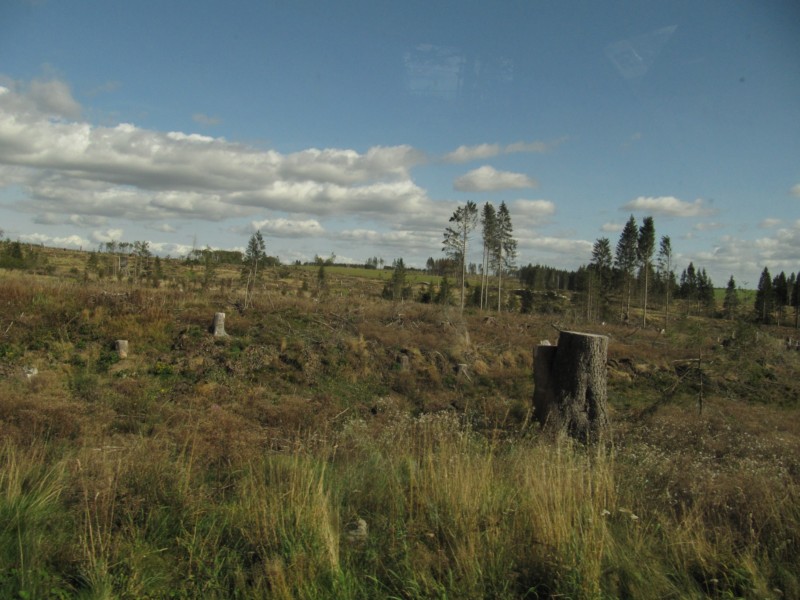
(625, 258)
(780, 288)
(396, 289)
(456, 240)
(731, 302)
(489, 224)
(665, 273)
(601, 268)
(506, 248)
(254, 255)
(796, 297)
(646, 244)
(764, 297)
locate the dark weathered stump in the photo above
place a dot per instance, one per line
(570, 385)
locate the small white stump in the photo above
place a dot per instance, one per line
(122, 348)
(218, 327)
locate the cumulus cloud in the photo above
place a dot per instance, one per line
(289, 228)
(612, 227)
(535, 210)
(669, 206)
(70, 241)
(54, 98)
(124, 171)
(464, 154)
(109, 235)
(769, 223)
(489, 179)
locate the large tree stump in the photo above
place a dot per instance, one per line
(570, 385)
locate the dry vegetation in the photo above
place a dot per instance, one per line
(235, 467)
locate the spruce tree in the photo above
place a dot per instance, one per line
(731, 302)
(254, 255)
(601, 267)
(780, 287)
(506, 248)
(764, 297)
(625, 258)
(646, 244)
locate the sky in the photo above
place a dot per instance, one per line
(357, 128)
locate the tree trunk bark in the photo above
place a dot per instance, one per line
(570, 385)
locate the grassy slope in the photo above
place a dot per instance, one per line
(203, 467)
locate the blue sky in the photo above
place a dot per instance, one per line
(358, 127)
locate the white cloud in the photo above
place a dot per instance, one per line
(109, 235)
(796, 190)
(535, 210)
(70, 241)
(53, 97)
(612, 227)
(289, 228)
(464, 154)
(489, 179)
(769, 223)
(669, 206)
(76, 168)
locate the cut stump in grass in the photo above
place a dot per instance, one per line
(570, 382)
(218, 327)
(122, 348)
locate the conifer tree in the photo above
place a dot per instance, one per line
(796, 297)
(489, 223)
(254, 255)
(665, 273)
(780, 288)
(731, 302)
(764, 297)
(625, 258)
(646, 244)
(505, 247)
(601, 268)
(456, 240)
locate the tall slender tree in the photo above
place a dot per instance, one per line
(646, 244)
(506, 248)
(796, 297)
(625, 258)
(456, 239)
(731, 302)
(764, 297)
(489, 223)
(665, 273)
(780, 288)
(601, 268)
(254, 255)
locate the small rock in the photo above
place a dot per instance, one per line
(356, 531)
